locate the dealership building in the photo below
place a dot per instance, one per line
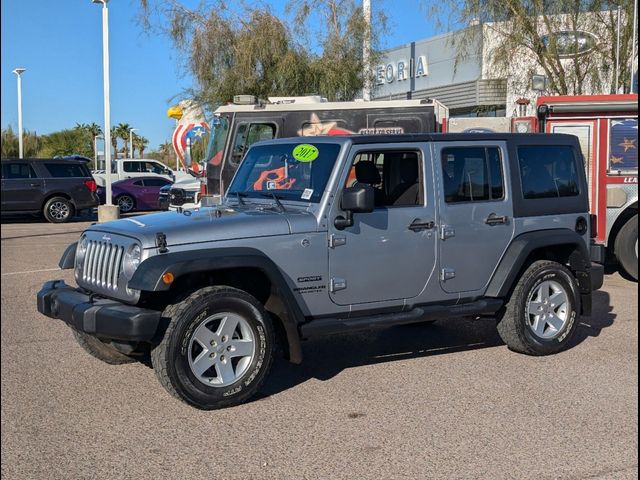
(466, 83)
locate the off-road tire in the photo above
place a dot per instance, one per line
(170, 357)
(626, 247)
(54, 207)
(513, 320)
(130, 205)
(100, 350)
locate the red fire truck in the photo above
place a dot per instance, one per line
(607, 127)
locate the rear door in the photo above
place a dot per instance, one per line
(476, 214)
(22, 190)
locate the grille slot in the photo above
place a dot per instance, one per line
(102, 265)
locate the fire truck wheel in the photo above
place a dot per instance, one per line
(626, 247)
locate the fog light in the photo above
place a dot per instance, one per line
(167, 278)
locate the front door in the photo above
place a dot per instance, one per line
(476, 214)
(390, 253)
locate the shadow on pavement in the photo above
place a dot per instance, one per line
(326, 357)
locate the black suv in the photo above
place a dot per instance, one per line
(57, 188)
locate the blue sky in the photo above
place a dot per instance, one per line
(60, 45)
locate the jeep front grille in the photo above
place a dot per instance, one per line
(102, 265)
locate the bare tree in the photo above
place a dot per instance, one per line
(573, 42)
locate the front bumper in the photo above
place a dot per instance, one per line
(101, 317)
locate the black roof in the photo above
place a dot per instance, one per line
(530, 138)
(80, 160)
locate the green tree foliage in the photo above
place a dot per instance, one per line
(9, 143)
(92, 130)
(518, 32)
(139, 143)
(248, 50)
(66, 142)
(164, 154)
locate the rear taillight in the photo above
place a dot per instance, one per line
(91, 185)
(593, 218)
(203, 189)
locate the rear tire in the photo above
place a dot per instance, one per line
(100, 350)
(626, 247)
(542, 313)
(217, 349)
(58, 210)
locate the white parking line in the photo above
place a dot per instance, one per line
(31, 271)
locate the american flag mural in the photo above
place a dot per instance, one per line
(623, 144)
(191, 125)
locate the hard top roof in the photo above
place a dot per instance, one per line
(530, 138)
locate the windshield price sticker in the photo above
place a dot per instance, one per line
(305, 152)
(306, 195)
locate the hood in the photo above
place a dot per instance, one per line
(210, 224)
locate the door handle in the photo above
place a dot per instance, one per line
(418, 225)
(494, 219)
(36, 184)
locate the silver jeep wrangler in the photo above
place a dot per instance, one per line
(333, 234)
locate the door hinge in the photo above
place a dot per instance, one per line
(447, 274)
(447, 232)
(337, 240)
(337, 284)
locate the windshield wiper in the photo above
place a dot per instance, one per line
(239, 196)
(277, 200)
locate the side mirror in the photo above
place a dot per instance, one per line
(358, 199)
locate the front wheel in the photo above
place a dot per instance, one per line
(542, 313)
(100, 350)
(217, 349)
(626, 247)
(126, 203)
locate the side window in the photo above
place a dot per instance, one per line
(155, 182)
(248, 134)
(395, 176)
(17, 171)
(152, 167)
(472, 174)
(548, 171)
(61, 170)
(138, 183)
(131, 167)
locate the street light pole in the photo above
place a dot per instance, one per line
(18, 71)
(131, 141)
(109, 212)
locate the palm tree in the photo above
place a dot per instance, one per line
(123, 131)
(94, 130)
(140, 143)
(114, 141)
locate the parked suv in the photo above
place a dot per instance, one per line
(335, 234)
(57, 188)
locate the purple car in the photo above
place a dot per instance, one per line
(138, 193)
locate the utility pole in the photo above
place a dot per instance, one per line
(366, 50)
(633, 45)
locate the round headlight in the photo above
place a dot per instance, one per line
(81, 251)
(131, 260)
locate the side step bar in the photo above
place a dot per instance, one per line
(326, 326)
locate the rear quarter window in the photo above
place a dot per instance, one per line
(62, 170)
(548, 171)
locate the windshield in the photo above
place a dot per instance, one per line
(288, 171)
(217, 139)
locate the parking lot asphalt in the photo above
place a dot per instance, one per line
(442, 401)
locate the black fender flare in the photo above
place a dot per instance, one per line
(68, 258)
(148, 277)
(506, 275)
